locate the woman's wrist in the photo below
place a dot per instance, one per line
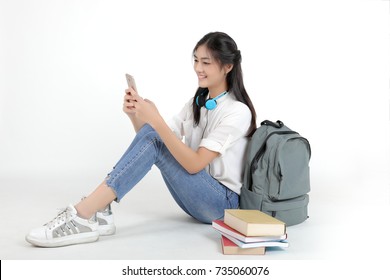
(158, 123)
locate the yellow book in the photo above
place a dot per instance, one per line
(254, 222)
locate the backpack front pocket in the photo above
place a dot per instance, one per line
(292, 211)
(291, 172)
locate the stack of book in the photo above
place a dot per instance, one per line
(250, 232)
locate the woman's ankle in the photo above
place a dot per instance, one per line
(83, 212)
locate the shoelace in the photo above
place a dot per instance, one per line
(63, 216)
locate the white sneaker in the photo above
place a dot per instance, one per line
(105, 218)
(65, 229)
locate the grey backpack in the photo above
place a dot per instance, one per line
(276, 173)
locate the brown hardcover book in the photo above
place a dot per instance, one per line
(230, 248)
(254, 222)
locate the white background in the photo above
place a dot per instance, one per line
(322, 67)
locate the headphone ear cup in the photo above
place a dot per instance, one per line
(210, 104)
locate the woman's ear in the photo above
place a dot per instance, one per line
(228, 68)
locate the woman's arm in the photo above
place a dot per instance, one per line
(192, 161)
(145, 111)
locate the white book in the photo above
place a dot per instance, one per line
(280, 243)
(221, 227)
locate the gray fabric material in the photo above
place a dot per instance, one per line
(70, 228)
(280, 181)
(102, 221)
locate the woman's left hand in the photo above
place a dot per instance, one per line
(144, 109)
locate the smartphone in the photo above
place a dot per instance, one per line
(131, 82)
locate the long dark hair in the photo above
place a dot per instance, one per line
(223, 48)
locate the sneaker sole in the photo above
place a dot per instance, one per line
(65, 240)
(106, 230)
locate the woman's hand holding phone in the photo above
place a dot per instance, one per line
(129, 100)
(144, 110)
(130, 93)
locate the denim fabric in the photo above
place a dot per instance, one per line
(199, 195)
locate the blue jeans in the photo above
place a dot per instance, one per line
(199, 195)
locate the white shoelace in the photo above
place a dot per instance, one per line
(62, 217)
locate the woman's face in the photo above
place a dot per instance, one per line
(210, 73)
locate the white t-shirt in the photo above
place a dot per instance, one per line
(222, 130)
